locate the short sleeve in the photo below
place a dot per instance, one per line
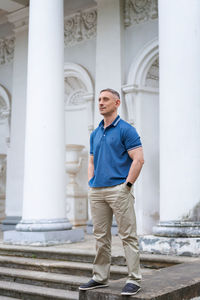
(91, 143)
(131, 139)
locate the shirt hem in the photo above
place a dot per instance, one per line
(104, 186)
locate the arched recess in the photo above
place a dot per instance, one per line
(142, 63)
(4, 141)
(79, 91)
(79, 123)
(142, 102)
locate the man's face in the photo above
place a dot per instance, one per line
(108, 103)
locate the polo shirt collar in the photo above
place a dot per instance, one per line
(114, 123)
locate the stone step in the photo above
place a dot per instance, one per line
(53, 266)
(8, 298)
(179, 282)
(46, 279)
(79, 255)
(29, 292)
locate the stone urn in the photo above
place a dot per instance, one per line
(73, 162)
(76, 199)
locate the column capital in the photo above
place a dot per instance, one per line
(19, 19)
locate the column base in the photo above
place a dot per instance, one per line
(177, 229)
(45, 238)
(44, 225)
(10, 222)
(43, 233)
(182, 246)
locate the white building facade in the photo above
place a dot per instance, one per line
(55, 57)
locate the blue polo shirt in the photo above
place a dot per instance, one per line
(110, 148)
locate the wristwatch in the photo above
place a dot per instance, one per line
(129, 184)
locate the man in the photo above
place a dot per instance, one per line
(116, 159)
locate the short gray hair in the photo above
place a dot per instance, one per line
(111, 91)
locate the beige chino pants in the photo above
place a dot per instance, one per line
(120, 201)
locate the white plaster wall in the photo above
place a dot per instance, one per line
(71, 6)
(76, 129)
(84, 54)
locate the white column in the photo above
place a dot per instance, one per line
(109, 73)
(179, 44)
(44, 171)
(15, 160)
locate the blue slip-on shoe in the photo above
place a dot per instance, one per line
(92, 284)
(130, 289)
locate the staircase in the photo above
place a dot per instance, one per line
(39, 273)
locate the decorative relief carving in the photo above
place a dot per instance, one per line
(140, 11)
(7, 50)
(74, 92)
(80, 27)
(2, 175)
(152, 78)
(4, 110)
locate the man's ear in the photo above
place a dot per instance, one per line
(118, 102)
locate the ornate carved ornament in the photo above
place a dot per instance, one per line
(77, 28)
(4, 110)
(80, 27)
(74, 92)
(4, 105)
(140, 11)
(152, 78)
(7, 46)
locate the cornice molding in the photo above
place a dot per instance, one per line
(19, 19)
(140, 11)
(80, 26)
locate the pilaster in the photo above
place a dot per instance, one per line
(109, 48)
(15, 159)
